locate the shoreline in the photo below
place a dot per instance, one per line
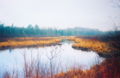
(104, 49)
(29, 42)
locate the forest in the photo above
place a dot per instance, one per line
(36, 31)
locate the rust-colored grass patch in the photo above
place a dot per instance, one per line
(110, 68)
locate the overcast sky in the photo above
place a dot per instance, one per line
(102, 14)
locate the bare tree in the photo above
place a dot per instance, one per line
(53, 53)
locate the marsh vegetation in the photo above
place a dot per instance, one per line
(59, 56)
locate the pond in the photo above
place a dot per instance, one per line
(62, 58)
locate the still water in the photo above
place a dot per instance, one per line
(62, 56)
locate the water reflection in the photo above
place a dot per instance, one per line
(62, 56)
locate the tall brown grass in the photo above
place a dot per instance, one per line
(110, 68)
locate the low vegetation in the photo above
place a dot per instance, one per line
(29, 42)
(80, 43)
(94, 45)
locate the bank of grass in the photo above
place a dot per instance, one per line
(110, 68)
(29, 41)
(93, 44)
(80, 43)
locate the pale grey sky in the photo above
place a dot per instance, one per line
(102, 14)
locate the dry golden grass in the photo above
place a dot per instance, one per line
(91, 44)
(30, 41)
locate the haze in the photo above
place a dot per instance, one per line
(101, 14)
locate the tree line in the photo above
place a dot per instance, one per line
(35, 31)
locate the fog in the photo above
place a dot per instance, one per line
(100, 14)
